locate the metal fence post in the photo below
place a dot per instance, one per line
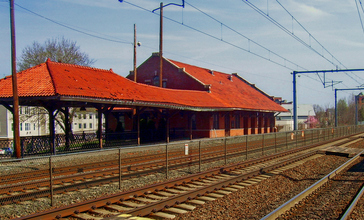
(275, 142)
(166, 161)
(120, 168)
(263, 144)
(296, 134)
(225, 151)
(51, 179)
(199, 156)
(246, 147)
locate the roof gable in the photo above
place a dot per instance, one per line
(230, 89)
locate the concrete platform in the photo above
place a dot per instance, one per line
(340, 151)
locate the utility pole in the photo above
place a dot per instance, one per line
(161, 37)
(161, 46)
(295, 118)
(15, 83)
(134, 60)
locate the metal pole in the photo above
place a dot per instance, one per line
(15, 83)
(51, 180)
(225, 152)
(246, 147)
(275, 142)
(356, 110)
(263, 144)
(134, 66)
(295, 125)
(336, 122)
(120, 168)
(161, 46)
(199, 156)
(166, 161)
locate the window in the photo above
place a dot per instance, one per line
(34, 126)
(84, 125)
(237, 121)
(156, 81)
(90, 116)
(193, 122)
(79, 125)
(84, 116)
(26, 110)
(79, 116)
(20, 110)
(27, 126)
(90, 125)
(216, 121)
(21, 126)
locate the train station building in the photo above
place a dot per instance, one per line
(194, 102)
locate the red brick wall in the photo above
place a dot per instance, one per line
(237, 132)
(176, 79)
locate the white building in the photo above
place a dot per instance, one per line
(284, 120)
(33, 121)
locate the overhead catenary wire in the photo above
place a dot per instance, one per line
(290, 33)
(224, 41)
(311, 36)
(361, 22)
(71, 28)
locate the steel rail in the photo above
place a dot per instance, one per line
(350, 209)
(112, 175)
(100, 202)
(299, 197)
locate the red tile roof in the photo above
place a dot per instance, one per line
(59, 79)
(53, 79)
(230, 89)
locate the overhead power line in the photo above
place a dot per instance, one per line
(290, 33)
(361, 22)
(283, 64)
(71, 28)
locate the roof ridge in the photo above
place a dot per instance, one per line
(78, 66)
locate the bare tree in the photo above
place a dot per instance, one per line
(59, 50)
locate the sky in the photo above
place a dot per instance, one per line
(263, 41)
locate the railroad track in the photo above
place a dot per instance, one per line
(35, 184)
(332, 197)
(175, 195)
(178, 196)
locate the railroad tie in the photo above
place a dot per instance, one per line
(152, 196)
(143, 199)
(237, 186)
(162, 193)
(250, 181)
(176, 210)
(196, 202)
(206, 198)
(175, 191)
(101, 212)
(117, 208)
(86, 216)
(215, 195)
(163, 215)
(132, 204)
(185, 206)
(223, 192)
(231, 189)
(185, 188)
